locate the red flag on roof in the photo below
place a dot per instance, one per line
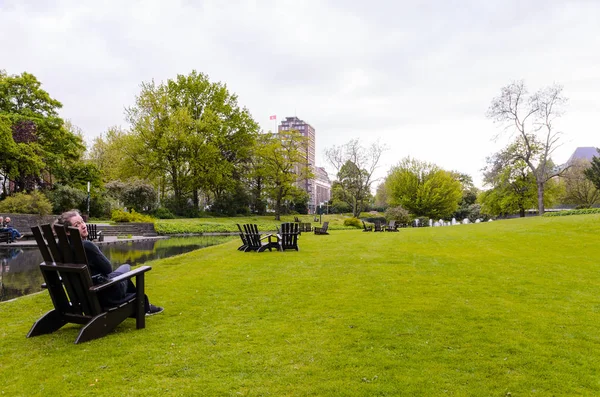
(273, 117)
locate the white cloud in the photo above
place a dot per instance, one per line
(418, 76)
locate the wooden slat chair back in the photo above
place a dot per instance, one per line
(93, 233)
(74, 295)
(288, 236)
(367, 228)
(5, 237)
(322, 229)
(378, 227)
(305, 227)
(392, 227)
(253, 242)
(243, 238)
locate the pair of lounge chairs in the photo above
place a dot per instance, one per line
(253, 240)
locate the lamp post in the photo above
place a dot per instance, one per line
(88, 199)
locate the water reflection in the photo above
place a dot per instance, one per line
(19, 273)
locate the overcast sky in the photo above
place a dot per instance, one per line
(416, 75)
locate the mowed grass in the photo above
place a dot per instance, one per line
(503, 308)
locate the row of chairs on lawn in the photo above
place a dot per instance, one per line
(303, 226)
(392, 226)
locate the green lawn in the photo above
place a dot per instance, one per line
(494, 309)
(228, 224)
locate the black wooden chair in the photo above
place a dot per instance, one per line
(93, 233)
(288, 236)
(322, 229)
(391, 227)
(379, 227)
(5, 237)
(254, 240)
(367, 228)
(306, 227)
(243, 238)
(73, 293)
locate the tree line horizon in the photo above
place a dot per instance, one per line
(192, 150)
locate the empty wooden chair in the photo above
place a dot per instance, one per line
(322, 229)
(288, 236)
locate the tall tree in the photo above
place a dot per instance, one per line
(579, 189)
(194, 132)
(530, 118)
(355, 165)
(467, 205)
(284, 166)
(41, 147)
(423, 188)
(593, 172)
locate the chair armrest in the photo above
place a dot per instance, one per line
(125, 276)
(265, 236)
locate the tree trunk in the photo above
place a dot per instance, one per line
(278, 207)
(521, 212)
(540, 191)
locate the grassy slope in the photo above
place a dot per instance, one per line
(487, 309)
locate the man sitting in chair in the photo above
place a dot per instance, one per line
(100, 266)
(7, 227)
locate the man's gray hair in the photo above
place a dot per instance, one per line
(65, 218)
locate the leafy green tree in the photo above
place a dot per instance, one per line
(192, 132)
(513, 185)
(64, 198)
(112, 154)
(466, 206)
(593, 172)
(579, 189)
(284, 166)
(381, 197)
(398, 214)
(423, 188)
(531, 118)
(355, 166)
(140, 196)
(41, 147)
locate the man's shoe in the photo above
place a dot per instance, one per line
(154, 310)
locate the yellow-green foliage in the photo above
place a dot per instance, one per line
(132, 216)
(354, 222)
(22, 203)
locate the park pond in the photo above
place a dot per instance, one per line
(20, 275)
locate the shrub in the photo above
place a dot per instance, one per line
(163, 213)
(353, 222)
(64, 198)
(573, 212)
(375, 219)
(122, 216)
(22, 203)
(139, 195)
(398, 214)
